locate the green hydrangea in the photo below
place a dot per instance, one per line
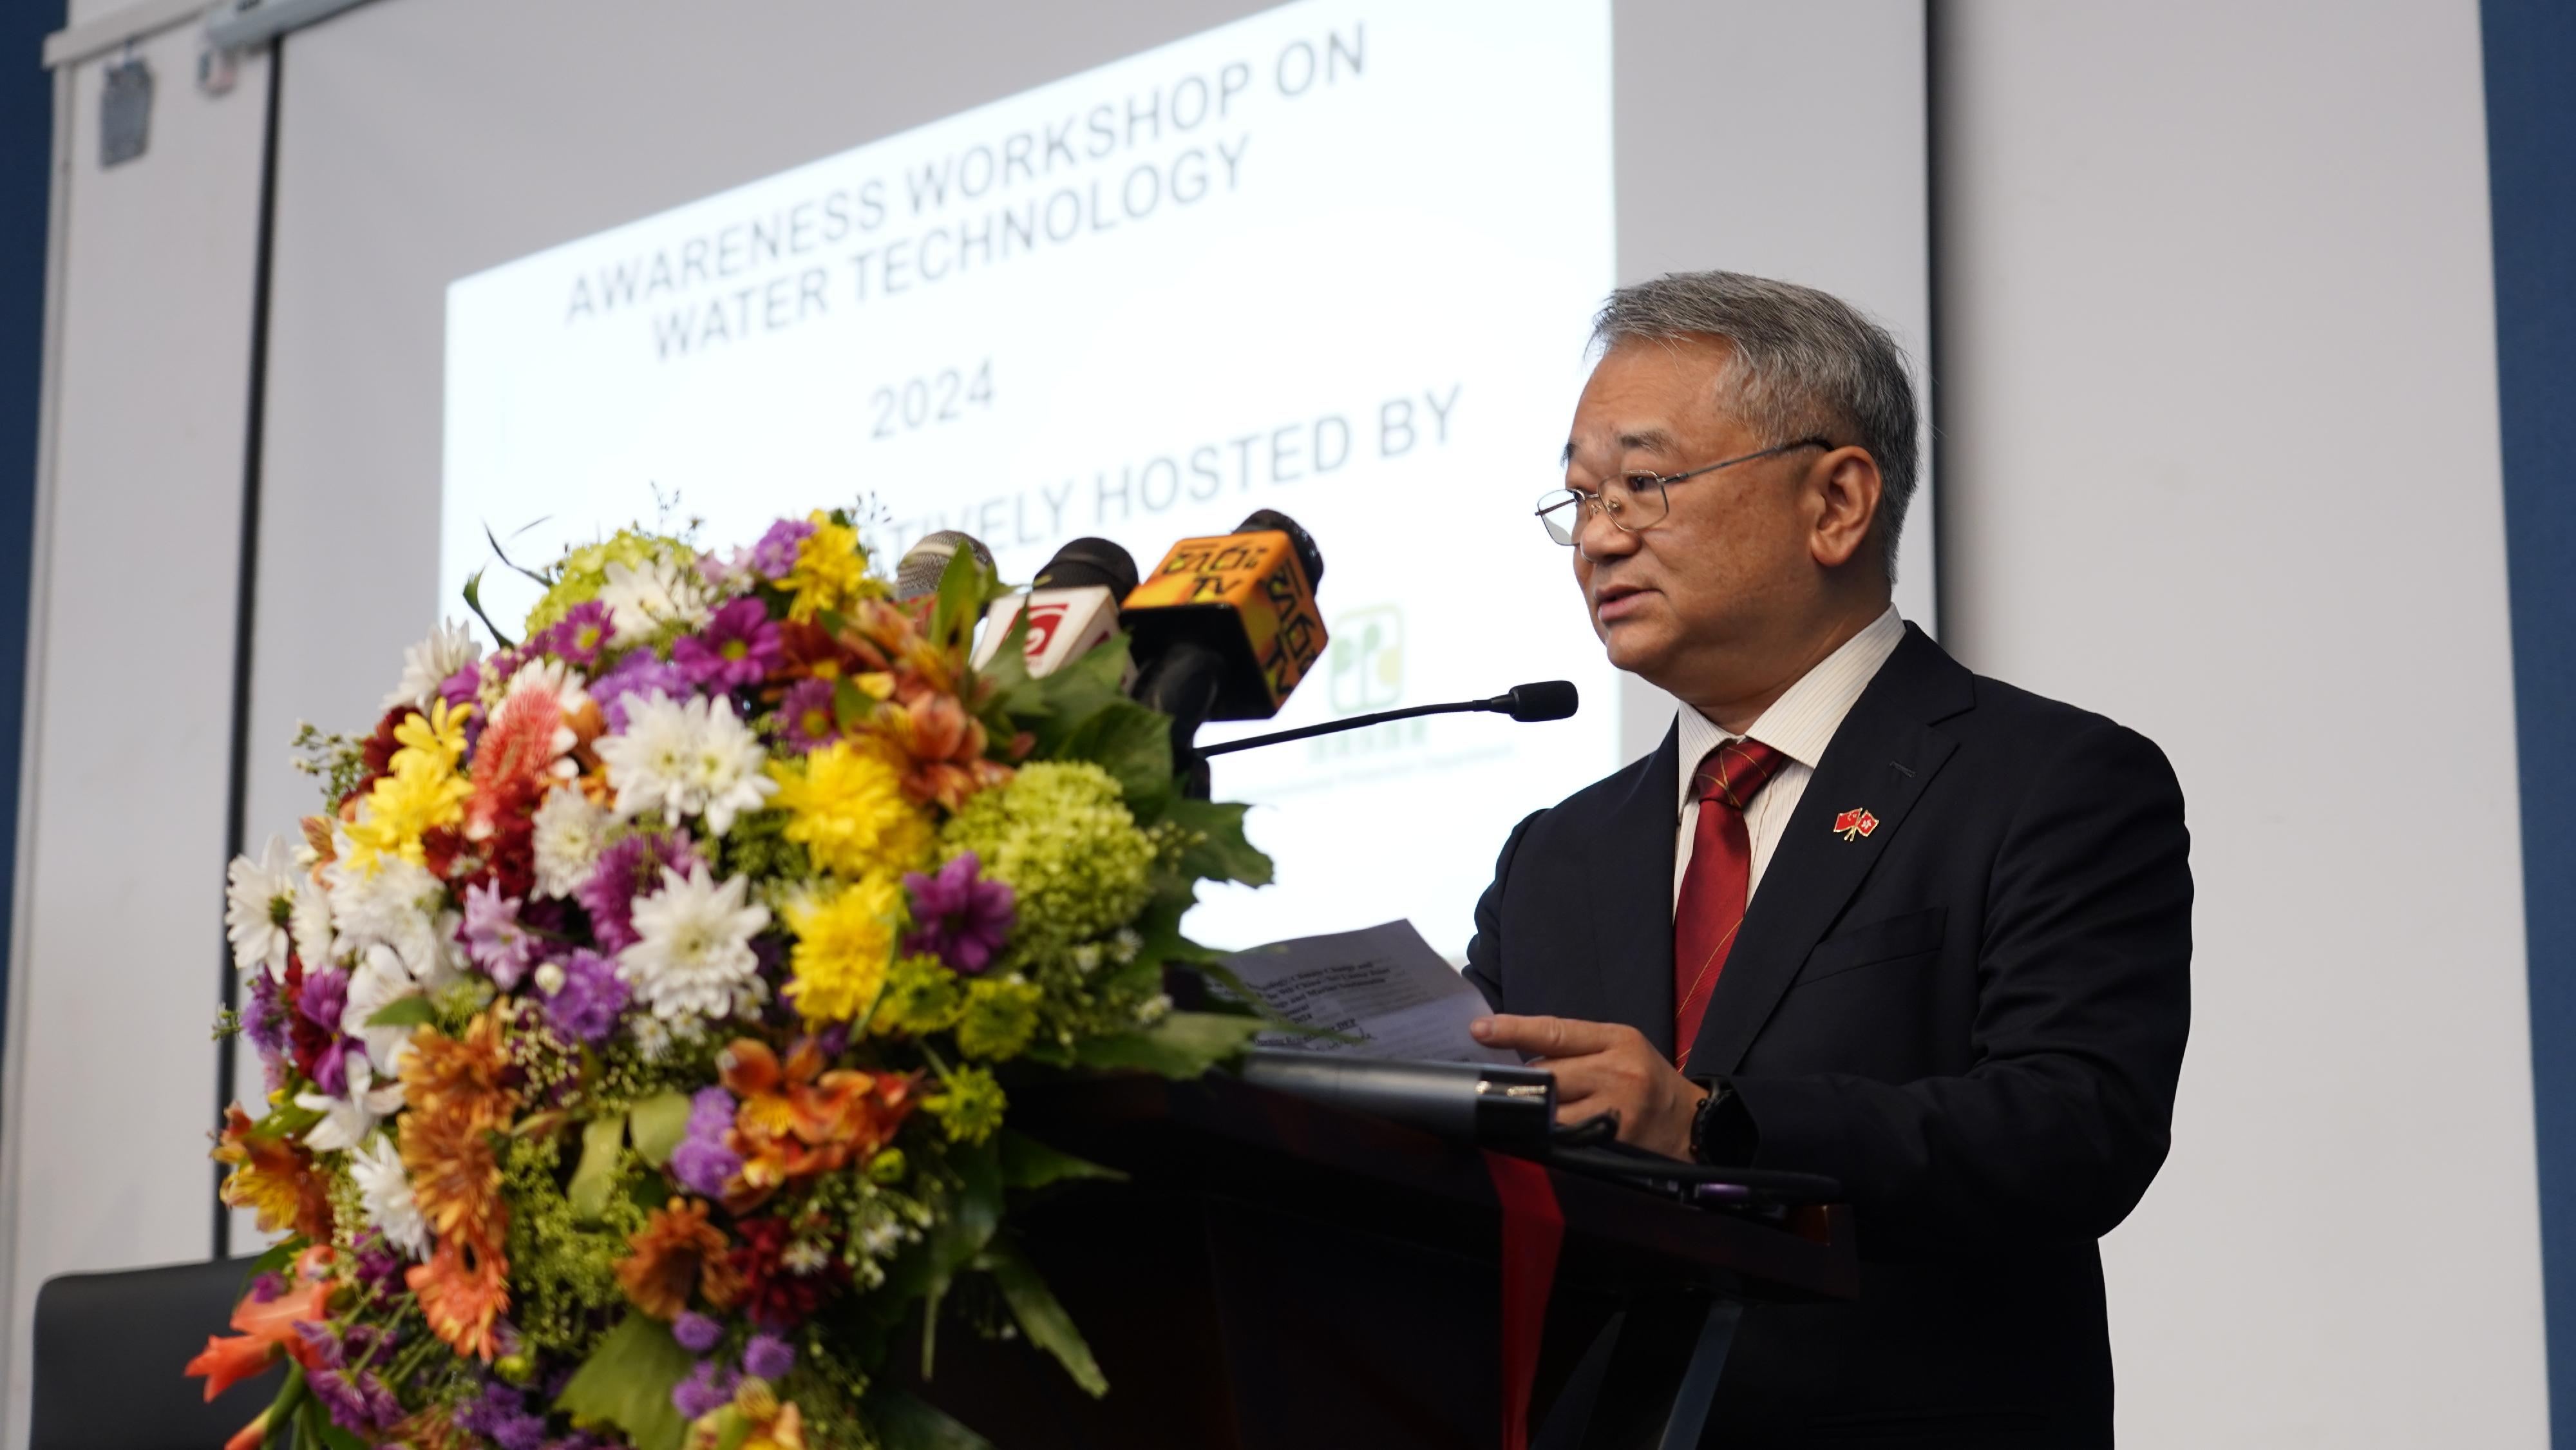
(1060, 834)
(579, 577)
(1001, 1014)
(969, 1105)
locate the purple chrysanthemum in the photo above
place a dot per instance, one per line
(585, 1007)
(707, 1389)
(266, 1287)
(639, 673)
(806, 717)
(768, 1356)
(775, 555)
(963, 918)
(493, 936)
(579, 637)
(359, 1402)
(627, 869)
(459, 689)
(264, 1019)
(702, 1162)
(738, 648)
(320, 1001)
(696, 1332)
(502, 1417)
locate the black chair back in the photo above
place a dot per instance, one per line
(108, 1353)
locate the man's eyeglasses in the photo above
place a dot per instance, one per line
(1635, 502)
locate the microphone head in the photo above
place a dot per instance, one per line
(1312, 558)
(918, 574)
(1544, 700)
(1086, 563)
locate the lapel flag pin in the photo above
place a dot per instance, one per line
(1852, 825)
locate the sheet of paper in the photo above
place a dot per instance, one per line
(1383, 985)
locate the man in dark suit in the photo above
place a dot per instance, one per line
(1863, 913)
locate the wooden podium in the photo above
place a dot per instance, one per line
(1280, 1273)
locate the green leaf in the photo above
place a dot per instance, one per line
(274, 1258)
(595, 1181)
(659, 1123)
(627, 1381)
(1041, 1315)
(903, 1422)
(1081, 688)
(335, 1438)
(1133, 744)
(1223, 853)
(474, 601)
(963, 587)
(404, 1012)
(1028, 1163)
(1182, 1045)
(849, 705)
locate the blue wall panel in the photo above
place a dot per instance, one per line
(2531, 159)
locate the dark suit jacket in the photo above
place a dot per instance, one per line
(1973, 1016)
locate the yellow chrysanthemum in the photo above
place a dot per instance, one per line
(440, 734)
(843, 944)
(845, 805)
(423, 791)
(830, 570)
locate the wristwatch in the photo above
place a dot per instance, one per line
(1721, 1130)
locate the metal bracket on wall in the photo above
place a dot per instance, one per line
(125, 112)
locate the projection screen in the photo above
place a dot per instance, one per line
(545, 271)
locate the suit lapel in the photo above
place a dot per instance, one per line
(1879, 762)
(1632, 899)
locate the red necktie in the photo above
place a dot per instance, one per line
(1711, 906)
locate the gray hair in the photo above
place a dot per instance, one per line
(1800, 363)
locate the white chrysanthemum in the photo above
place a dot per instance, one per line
(397, 906)
(684, 759)
(259, 898)
(693, 955)
(309, 922)
(641, 598)
(377, 982)
(568, 832)
(427, 665)
(384, 1189)
(346, 1121)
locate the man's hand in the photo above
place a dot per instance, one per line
(1601, 1068)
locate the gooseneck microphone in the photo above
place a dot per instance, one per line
(918, 575)
(1542, 700)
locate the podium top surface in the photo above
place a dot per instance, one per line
(1225, 1136)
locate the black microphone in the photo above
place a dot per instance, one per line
(919, 573)
(1225, 627)
(1529, 704)
(1071, 609)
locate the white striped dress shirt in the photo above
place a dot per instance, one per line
(1800, 724)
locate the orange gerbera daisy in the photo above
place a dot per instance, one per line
(273, 1175)
(455, 1173)
(464, 1077)
(676, 1251)
(463, 1290)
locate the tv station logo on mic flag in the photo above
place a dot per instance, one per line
(1256, 577)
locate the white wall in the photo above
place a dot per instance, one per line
(2219, 392)
(2221, 461)
(120, 889)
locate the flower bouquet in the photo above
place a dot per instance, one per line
(642, 1014)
